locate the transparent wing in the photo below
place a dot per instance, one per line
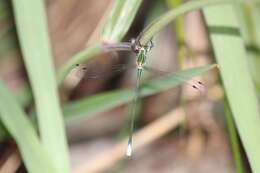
(103, 69)
(196, 84)
(97, 72)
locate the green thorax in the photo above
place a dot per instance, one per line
(141, 58)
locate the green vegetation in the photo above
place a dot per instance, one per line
(43, 145)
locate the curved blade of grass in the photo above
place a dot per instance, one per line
(231, 55)
(171, 15)
(34, 41)
(112, 19)
(101, 102)
(121, 16)
(20, 127)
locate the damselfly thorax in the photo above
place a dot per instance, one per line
(141, 58)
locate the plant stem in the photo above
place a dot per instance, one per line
(165, 19)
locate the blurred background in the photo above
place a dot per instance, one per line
(198, 144)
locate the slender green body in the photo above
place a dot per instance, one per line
(140, 62)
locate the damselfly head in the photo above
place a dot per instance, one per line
(132, 41)
(134, 46)
(137, 46)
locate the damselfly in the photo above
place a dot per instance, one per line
(141, 52)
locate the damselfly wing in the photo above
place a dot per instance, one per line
(110, 67)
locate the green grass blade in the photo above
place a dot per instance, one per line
(112, 19)
(123, 15)
(171, 15)
(99, 103)
(34, 41)
(19, 126)
(231, 56)
(88, 106)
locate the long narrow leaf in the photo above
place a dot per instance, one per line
(122, 16)
(112, 19)
(34, 40)
(231, 56)
(19, 126)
